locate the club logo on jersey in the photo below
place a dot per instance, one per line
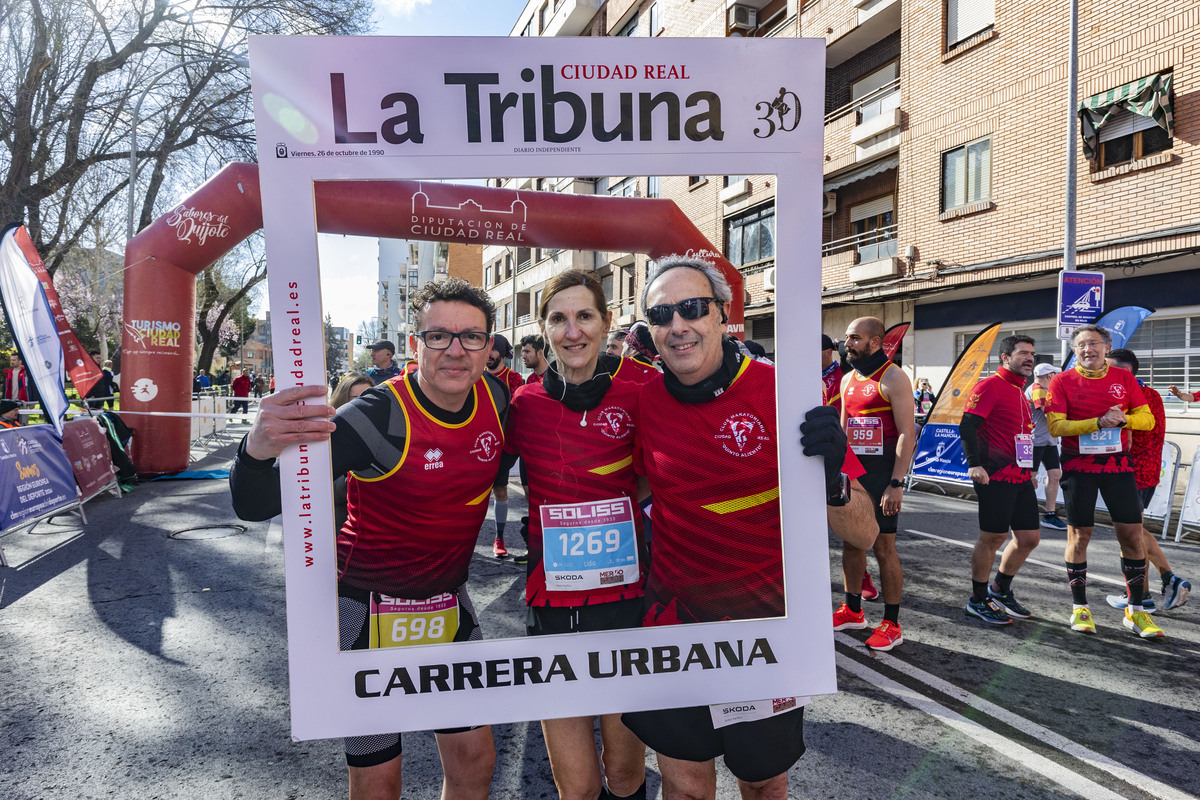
(868, 391)
(742, 435)
(1117, 391)
(433, 458)
(615, 423)
(487, 446)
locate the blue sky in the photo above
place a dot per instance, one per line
(447, 17)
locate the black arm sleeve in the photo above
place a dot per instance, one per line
(968, 430)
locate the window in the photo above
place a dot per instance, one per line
(730, 180)
(655, 20)
(606, 283)
(1046, 344)
(528, 29)
(626, 188)
(1165, 356)
(489, 273)
(967, 174)
(629, 28)
(537, 301)
(508, 309)
(695, 180)
(543, 13)
(654, 186)
(750, 237)
(1128, 136)
(874, 226)
(877, 93)
(965, 18)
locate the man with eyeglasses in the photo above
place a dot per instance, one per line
(421, 450)
(1092, 408)
(707, 445)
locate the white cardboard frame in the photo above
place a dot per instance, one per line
(293, 99)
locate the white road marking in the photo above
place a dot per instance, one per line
(998, 742)
(1092, 576)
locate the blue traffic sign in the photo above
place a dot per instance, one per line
(1080, 300)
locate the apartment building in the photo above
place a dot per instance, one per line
(945, 164)
(405, 266)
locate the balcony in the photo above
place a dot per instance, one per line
(570, 17)
(870, 22)
(874, 129)
(872, 245)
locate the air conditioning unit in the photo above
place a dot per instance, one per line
(769, 279)
(741, 18)
(829, 204)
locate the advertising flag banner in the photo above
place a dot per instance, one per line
(35, 475)
(939, 454)
(83, 370)
(1121, 323)
(419, 126)
(33, 327)
(952, 399)
(893, 337)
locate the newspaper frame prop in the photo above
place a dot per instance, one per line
(318, 117)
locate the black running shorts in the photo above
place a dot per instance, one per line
(1045, 455)
(1118, 489)
(753, 751)
(619, 614)
(1007, 505)
(875, 483)
(1145, 496)
(354, 606)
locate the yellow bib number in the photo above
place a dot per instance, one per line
(396, 622)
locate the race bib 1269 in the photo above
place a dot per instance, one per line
(589, 545)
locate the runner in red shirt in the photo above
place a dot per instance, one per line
(997, 438)
(533, 355)
(831, 374)
(1093, 408)
(877, 412)
(500, 352)
(423, 449)
(574, 431)
(1146, 452)
(707, 444)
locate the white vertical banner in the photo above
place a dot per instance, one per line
(1190, 513)
(33, 328)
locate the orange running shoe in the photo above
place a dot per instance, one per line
(869, 592)
(885, 637)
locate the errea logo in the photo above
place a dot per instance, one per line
(433, 458)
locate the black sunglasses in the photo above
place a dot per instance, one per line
(690, 309)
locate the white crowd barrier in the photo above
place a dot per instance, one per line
(1189, 517)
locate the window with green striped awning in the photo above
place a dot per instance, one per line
(1149, 97)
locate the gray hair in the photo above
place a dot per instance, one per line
(720, 286)
(1089, 328)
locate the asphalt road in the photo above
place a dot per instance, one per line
(135, 665)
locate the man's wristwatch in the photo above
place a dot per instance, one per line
(839, 495)
(895, 483)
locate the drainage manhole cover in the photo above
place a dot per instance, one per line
(209, 532)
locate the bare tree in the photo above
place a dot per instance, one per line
(223, 295)
(72, 71)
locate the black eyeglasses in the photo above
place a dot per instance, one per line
(441, 340)
(690, 309)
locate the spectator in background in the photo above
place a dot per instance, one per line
(757, 352)
(16, 380)
(923, 394)
(10, 414)
(616, 342)
(383, 357)
(1146, 454)
(241, 392)
(1045, 446)
(533, 355)
(259, 386)
(1187, 397)
(105, 388)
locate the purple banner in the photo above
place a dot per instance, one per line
(35, 475)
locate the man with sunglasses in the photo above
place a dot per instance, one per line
(422, 450)
(718, 539)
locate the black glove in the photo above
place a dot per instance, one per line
(821, 434)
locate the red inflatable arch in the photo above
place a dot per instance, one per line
(163, 260)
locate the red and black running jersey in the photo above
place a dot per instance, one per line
(533, 377)
(861, 397)
(1146, 447)
(511, 379)
(576, 457)
(714, 475)
(1000, 401)
(410, 533)
(1075, 401)
(831, 378)
(634, 365)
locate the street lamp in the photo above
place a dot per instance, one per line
(137, 110)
